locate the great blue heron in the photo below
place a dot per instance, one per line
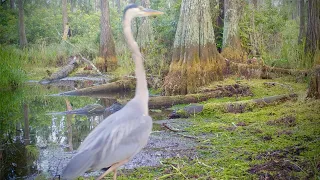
(123, 134)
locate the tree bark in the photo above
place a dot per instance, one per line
(12, 4)
(231, 45)
(302, 22)
(107, 46)
(65, 19)
(73, 5)
(195, 60)
(312, 47)
(253, 35)
(314, 85)
(22, 31)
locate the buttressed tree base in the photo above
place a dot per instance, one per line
(195, 60)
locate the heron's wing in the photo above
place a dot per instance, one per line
(125, 144)
(119, 136)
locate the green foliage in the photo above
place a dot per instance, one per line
(275, 34)
(10, 112)
(43, 24)
(8, 26)
(11, 73)
(32, 152)
(85, 30)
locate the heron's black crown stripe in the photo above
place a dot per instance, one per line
(129, 7)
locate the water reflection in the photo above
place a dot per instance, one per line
(50, 135)
(53, 137)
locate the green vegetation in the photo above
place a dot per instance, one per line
(277, 33)
(11, 72)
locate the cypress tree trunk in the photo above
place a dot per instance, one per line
(107, 47)
(253, 33)
(312, 47)
(302, 22)
(65, 19)
(22, 31)
(231, 45)
(195, 60)
(314, 85)
(73, 5)
(12, 4)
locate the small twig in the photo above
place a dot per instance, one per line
(93, 66)
(170, 128)
(178, 130)
(203, 164)
(186, 136)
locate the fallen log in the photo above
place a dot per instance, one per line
(260, 70)
(103, 90)
(243, 106)
(237, 107)
(227, 91)
(64, 71)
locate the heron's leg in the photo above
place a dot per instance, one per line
(115, 174)
(114, 167)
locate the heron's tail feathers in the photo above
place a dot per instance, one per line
(78, 165)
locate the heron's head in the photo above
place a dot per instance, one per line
(133, 10)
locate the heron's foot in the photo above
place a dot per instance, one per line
(113, 168)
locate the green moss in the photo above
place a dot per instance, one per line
(155, 91)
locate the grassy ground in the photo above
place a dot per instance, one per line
(280, 140)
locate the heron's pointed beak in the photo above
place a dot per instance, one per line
(151, 12)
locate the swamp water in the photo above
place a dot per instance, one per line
(53, 143)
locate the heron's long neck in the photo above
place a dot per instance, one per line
(141, 87)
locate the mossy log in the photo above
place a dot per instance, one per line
(243, 106)
(104, 89)
(236, 107)
(260, 70)
(314, 85)
(64, 71)
(227, 91)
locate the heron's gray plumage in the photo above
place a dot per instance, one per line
(123, 134)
